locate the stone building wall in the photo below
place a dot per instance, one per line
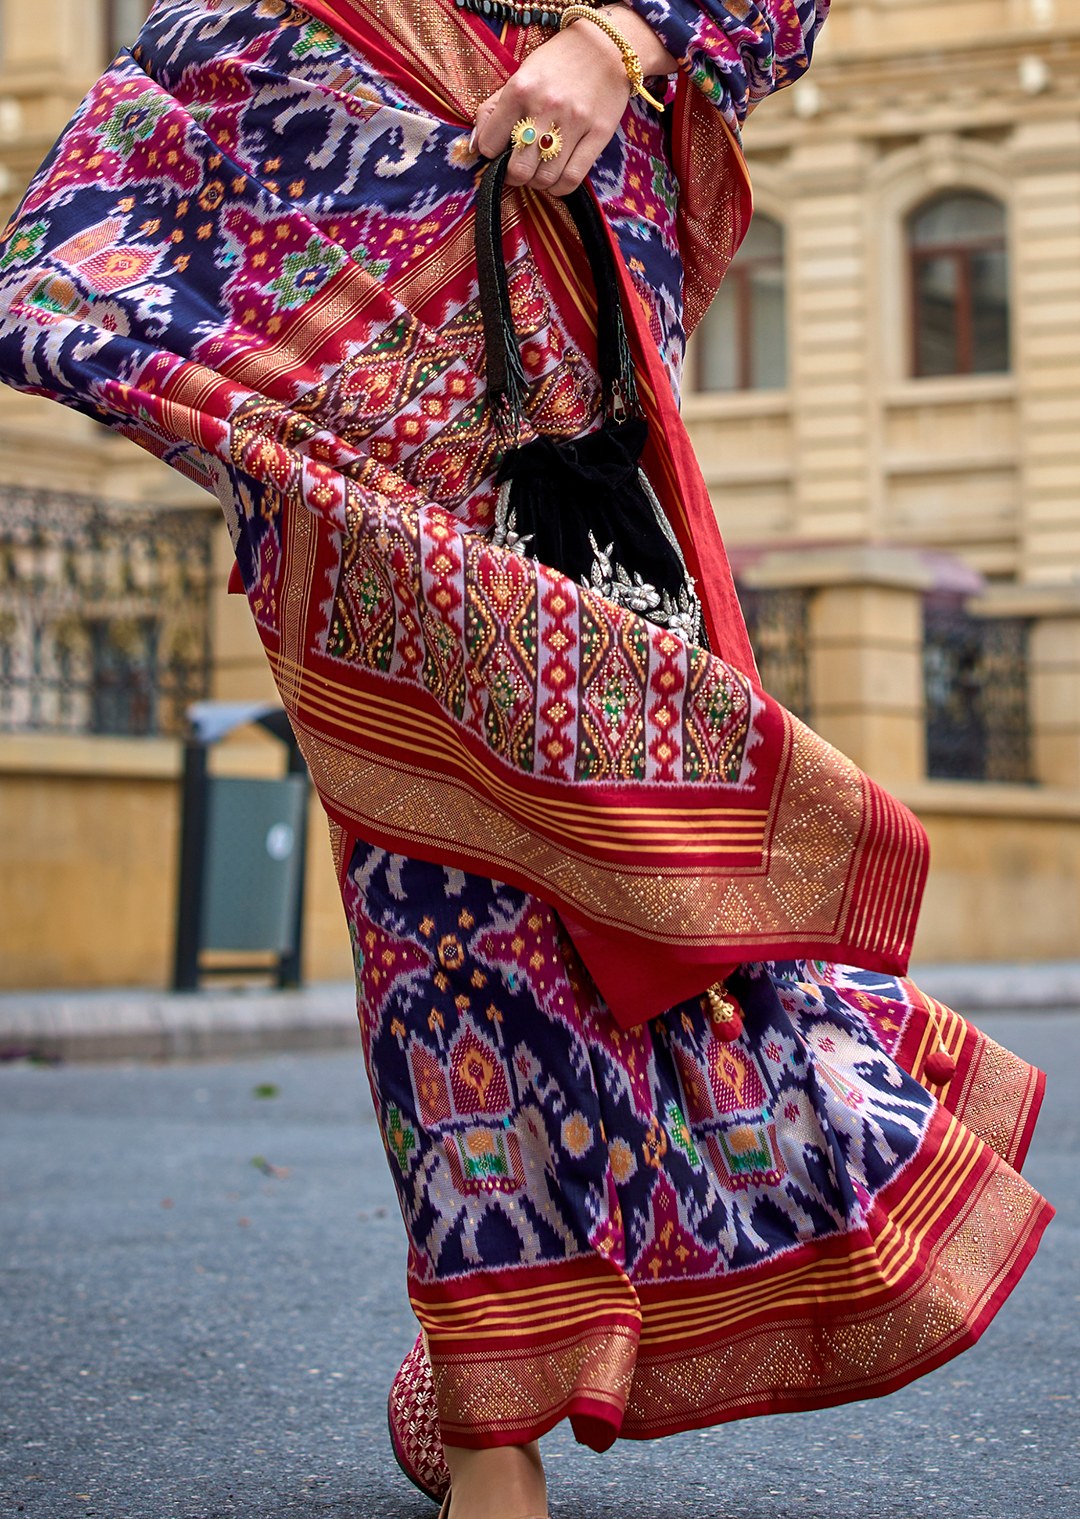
(906, 101)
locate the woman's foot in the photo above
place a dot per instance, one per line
(506, 1482)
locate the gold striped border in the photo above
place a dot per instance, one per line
(380, 720)
(863, 1275)
(528, 1311)
(876, 1270)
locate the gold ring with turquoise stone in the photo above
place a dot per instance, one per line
(525, 133)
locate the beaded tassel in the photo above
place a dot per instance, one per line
(725, 1014)
(514, 12)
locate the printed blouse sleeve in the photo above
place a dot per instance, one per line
(736, 54)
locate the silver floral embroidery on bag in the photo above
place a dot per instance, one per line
(505, 534)
(609, 579)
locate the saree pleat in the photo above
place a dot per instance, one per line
(555, 824)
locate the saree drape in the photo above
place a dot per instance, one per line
(229, 311)
(652, 1230)
(252, 253)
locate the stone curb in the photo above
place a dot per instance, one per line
(136, 1024)
(151, 1025)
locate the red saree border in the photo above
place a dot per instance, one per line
(992, 1091)
(859, 1315)
(716, 198)
(369, 780)
(572, 1324)
(655, 1418)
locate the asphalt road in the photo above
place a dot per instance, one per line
(184, 1335)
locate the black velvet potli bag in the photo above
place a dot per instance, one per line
(583, 506)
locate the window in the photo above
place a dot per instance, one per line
(123, 23)
(742, 344)
(959, 282)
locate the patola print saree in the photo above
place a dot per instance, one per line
(214, 262)
(556, 824)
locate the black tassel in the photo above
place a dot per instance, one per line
(507, 383)
(516, 14)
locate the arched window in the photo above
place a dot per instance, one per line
(742, 342)
(123, 23)
(960, 285)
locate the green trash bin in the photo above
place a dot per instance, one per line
(253, 860)
(243, 847)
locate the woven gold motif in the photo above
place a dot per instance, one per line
(501, 1390)
(997, 1097)
(695, 905)
(799, 1348)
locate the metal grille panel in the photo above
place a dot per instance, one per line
(975, 669)
(777, 622)
(104, 615)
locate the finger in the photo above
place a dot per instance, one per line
(550, 173)
(552, 170)
(523, 165)
(493, 137)
(528, 166)
(575, 166)
(484, 113)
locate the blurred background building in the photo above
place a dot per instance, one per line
(885, 399)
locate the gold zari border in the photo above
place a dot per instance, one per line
(804, 1362)
(798, 1336)
(796, 898)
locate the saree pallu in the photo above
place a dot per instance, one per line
(251, 252)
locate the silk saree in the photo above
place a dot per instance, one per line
(555, 824)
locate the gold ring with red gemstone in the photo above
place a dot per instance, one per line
(550, 144)
(526, 134)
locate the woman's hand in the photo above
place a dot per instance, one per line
(577, 82)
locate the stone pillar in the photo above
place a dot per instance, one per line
(240, 670)
(1053, 672)
(1045, 244)
(831, 377)
(865, 651)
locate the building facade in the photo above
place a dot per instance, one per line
(921, 191)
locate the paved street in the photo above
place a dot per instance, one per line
(186, 1334)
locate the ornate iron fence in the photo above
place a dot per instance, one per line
(977, 725)
(975, 670)
(777, 622)
(104, 615)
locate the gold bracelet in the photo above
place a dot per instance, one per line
(631, 61)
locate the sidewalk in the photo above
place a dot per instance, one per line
(1003, 987)
(154, 1025)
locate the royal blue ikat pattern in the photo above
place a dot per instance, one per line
(523, 1126)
